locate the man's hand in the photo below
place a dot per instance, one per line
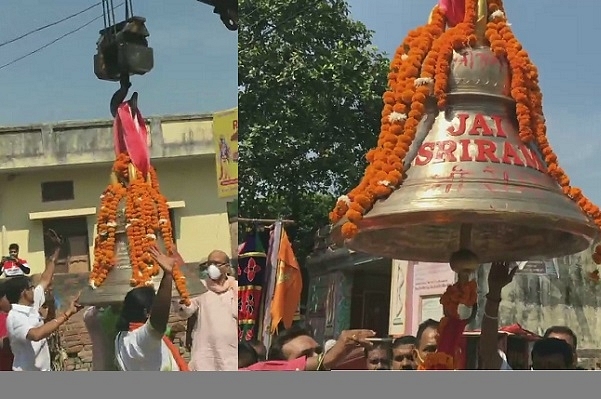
(74, 307)
(499, 276)
(165, 262)
(354, 338)
(348, 341)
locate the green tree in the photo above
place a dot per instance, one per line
(310, 101)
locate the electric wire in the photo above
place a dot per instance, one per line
(41, 28)
(37, 50)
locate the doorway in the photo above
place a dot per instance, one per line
(370, 300)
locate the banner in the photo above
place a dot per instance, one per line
(539, 267)
(275, 238)
(252, 262)
(225, 139)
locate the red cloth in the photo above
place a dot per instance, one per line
(131, 137)
(517, 329)
(454, 10)
(6, 355)
(279, 365)
(453, 342)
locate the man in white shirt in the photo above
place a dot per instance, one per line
(141, 344)
(26, 329)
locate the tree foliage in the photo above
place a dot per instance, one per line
(310, 86)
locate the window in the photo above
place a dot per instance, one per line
(57, 191)
(74, 256)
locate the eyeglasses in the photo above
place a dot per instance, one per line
(216, 264)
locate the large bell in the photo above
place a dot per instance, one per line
(116, 285)
(472, 184)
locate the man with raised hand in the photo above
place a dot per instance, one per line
(296, 350)
(547, 354)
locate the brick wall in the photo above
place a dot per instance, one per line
(73, 334)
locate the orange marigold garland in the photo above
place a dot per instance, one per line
(462, 293)
(529, 109)
(420, 69)
(404, 106)
(146, 216)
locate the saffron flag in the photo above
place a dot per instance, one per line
(275, 236)
(288, 286)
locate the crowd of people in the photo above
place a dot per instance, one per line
(29, 326)
(140, 340)
(296, 349)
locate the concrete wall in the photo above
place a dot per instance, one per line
(89, 142)
(201, 225)
(540, 301)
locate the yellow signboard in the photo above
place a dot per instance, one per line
(225, 138)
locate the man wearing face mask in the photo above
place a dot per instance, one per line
(215, 333)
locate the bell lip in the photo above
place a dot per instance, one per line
(96, 296)
(582, 227)
(90, 297)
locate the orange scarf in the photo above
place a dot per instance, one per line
(179, 360)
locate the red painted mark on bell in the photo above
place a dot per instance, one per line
(488, 59)
(479, 125)
(456, 177)
(470, 141)
(472, 59)
(457, 174)
(486, 151)
(504, 179)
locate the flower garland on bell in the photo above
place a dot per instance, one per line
(419, 70)
(405, 103)
(146, 216)
(461, 293)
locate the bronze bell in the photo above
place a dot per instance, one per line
(472, 185)
(116, 285)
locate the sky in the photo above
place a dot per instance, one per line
(562, 40)
(195, 62)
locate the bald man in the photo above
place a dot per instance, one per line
(215, 334)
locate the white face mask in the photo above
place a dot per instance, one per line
(213, 272)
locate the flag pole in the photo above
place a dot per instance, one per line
(271, 278)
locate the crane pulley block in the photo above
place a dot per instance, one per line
(123, 50)
(227, 11)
